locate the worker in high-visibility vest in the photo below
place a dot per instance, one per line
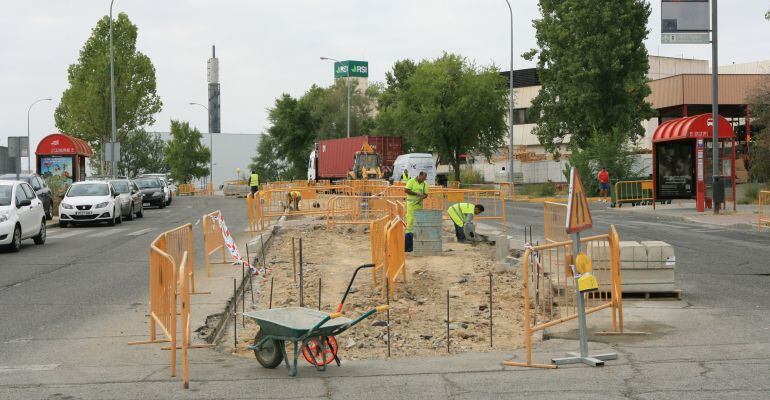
(254, 182)
(405, 176)
(416, 191)
(294, 198)
(462, 214)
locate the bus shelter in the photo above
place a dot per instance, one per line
(63, 157)
(682, 160)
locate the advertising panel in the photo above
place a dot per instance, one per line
(57, 168)
(675, 166)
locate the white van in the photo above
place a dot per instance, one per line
(414, 163)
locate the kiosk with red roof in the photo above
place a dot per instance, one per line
(682, 159)
(62, 156)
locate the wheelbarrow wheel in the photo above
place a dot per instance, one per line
(270, 354)
(312, 351)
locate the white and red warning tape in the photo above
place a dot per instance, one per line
(233, 248)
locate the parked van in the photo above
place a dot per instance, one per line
(414, 163)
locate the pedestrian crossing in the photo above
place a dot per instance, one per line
(94, 232)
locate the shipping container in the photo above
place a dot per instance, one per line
(336, 156)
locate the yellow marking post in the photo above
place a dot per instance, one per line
(578, 214)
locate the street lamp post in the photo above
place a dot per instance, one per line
(29, 142)
(510, 105)
(211, 149)
(114, 137)
(347, 80)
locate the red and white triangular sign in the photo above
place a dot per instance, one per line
(578, 214)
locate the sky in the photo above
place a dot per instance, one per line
(269, 47)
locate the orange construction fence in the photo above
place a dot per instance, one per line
(377, 231)
(254, 204)
(554, 215)
(186, 189)
(764, 210)
(549, 286)
(212, 240)
(395, 255)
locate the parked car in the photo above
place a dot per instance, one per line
(21, 215)
(129, 198)
(169, 188)
(152, 191)
(90, 201)
(41, 190)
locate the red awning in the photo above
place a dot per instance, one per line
(697, 127)
(59, 143)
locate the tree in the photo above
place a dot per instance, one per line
(84, 109)
(759, 148)
(185, 155)
(450, 107)
(142, 152)
(268, 163)
(592, 63)
(396, 81)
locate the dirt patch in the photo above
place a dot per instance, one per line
(418, 315)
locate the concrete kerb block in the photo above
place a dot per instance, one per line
(633, 255)
(502, 247)
(659, 254)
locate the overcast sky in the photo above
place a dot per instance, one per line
(269, 47)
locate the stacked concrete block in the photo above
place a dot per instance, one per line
(647, 267)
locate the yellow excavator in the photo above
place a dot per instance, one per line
(366, 164)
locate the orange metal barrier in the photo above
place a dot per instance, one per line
(764, 210)
(377, 231)
(186, 189)
(639, 191)
(314, 200)
(554, 215)
(256, 213)
(549, 291)
(395, 255)
(212, 240)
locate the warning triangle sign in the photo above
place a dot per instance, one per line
(578, 214)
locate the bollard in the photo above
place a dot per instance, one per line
(301, 278)
(447, 321)
(490, 309)
(270, 304)
(387, 312)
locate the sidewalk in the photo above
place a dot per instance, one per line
(745, 217)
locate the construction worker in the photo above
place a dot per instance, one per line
(254, 182)
(416, 191)
(405, 176)
(462, 214)
(294, 198)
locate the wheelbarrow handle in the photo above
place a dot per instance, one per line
(350, 284)
(367, 315)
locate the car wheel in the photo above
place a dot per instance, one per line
(15, 244)
(49, 211)
(62, 224)
(119, 218)
(140, 214)
(40, 238)
(111, 222)
(162, 204)
(130, 216)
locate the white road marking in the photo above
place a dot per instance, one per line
(65, 234)
(107, 232)
(197, 222)
(27, 368)
(141, 232)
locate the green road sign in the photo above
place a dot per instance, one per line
(359, 69)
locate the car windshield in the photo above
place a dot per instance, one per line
(147, 183)
(88, 189)
(5, 195)
(121, 186)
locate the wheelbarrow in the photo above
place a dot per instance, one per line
(299, 326)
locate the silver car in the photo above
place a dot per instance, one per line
(130, 198)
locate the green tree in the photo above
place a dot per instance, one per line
(84, 109)
(592, 63)
(142, 152)
(268, 163)
(185, 155)
(449, 106)
(396, 81)
(759, 148)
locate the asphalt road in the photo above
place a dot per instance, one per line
(68, 308)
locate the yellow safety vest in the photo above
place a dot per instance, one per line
(295, 195)
(254, 180)
(458, 211)
(405, 177)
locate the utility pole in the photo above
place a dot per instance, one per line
(29, 142)
(213, 109)
(715, 161)
(114, 136)
(510, 107)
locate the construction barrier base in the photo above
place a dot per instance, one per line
(594, 361)
(523, 364)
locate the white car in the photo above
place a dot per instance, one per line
(90, 201)
(22, 215)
